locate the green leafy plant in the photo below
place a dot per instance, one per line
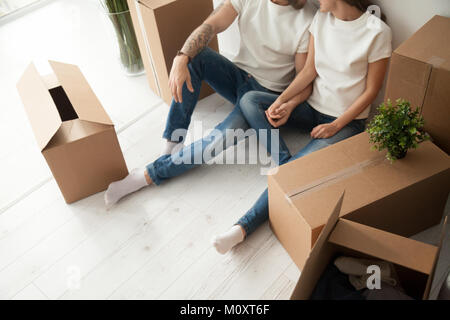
(119, 14)
(396, 128)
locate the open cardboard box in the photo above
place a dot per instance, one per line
(414, 261)
(420, 73)
(162, 27)
(404, 198)
(73, 131)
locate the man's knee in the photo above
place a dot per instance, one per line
(203, 55)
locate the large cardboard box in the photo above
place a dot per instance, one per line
(414, 262)
(73, 131)
(162, 27)
(404, 198)
(420, 72)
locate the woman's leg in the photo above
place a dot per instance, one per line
(259, 213)
(253, 105)
(248, 223)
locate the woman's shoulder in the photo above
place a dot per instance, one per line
(378, 26)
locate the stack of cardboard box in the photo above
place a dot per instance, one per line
(420, 73)
(405, 198)
(162, 27)
(383, 200)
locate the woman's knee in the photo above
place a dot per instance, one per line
(251, 102)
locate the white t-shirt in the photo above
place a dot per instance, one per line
(271, 35)
(343, 51)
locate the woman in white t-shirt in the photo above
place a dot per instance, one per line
(348, 56)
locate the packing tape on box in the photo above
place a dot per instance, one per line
(436, 61)
(334, 177)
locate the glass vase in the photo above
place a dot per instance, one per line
(125, 41)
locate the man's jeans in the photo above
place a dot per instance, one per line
(227, 80)
(305, 118)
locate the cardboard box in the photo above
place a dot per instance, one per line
(414, 262)
(73, 131)
(420, 73)
(162, 27)
(404, 198)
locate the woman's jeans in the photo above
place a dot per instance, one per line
(231, 83)
(304, 117)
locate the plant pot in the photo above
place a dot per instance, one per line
(124, 37)
(398, 154)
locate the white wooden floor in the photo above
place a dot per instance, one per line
(155, 243)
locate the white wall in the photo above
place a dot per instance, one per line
(406, 16)
(403, 16)
(229, 39)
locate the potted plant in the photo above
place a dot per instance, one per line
(396, 128)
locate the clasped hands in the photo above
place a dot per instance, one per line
(279, 113)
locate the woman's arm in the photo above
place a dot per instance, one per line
(303, 79)
(300, 62)
(375, 77)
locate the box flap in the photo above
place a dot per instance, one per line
(310, 273)
(39, 106)
(433, 271)
(154, 4)
(383, 245)
(430, 44)
(74, 130)
(83, 99)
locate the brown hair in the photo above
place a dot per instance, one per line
(363, 5)
(296, 4)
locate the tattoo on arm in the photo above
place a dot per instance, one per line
(198, 40)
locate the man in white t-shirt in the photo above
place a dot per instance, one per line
(274, 44)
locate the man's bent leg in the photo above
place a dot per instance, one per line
(219, 72)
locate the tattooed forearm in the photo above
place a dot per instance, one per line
(198, 40)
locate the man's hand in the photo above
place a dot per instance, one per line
(179, 74)
(325, 131)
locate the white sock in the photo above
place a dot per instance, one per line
(226, 241)
(131, 183)
(170, 147)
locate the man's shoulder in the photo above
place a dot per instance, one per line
(309, 10)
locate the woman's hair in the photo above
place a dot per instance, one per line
(363, 5)
(297, 4)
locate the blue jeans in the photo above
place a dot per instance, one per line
(226, 79)
(304, 117)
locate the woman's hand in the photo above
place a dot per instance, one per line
(325, 131)
(280, 116)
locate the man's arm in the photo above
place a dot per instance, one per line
(219, 20)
